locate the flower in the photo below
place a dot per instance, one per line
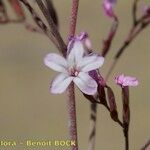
(108, 7)
(74, 68)
(145, 10)
(126, 80)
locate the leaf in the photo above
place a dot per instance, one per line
(112, 104)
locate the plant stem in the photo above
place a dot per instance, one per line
(93, 106)
(127, 142)
(134, 11)
(72, 116)
(73, 17)
(134, 32)
(53, 27)
(40, 23)
(146, 145)
(126, 115)
(92, 133)
(70, 90)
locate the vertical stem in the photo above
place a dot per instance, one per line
(127, 141)
(70, 91)
(92, 134)
(73, 17)
(72, 116)
(126, 115)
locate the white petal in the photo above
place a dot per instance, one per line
(76, 53)
(60, 83)
(56, 62)
(86, 83)
(86, 60)
(92, 63)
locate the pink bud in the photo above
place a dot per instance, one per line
(108, 7)
(126, 80)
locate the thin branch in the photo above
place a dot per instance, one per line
(109, 39)
(53, 27)
(72, 124)
(134, 11)
(92, 133)
(73, 17)
(134, 32)
(52, 12)
(126, 115)
(40, 23)
(105, 50)
(127, 141)
(70, 90)
(94, 101)
(146, 145)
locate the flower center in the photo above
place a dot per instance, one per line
(73, 71)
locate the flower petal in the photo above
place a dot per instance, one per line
(60, 83)
(130, 81)
(86, 83)
(119, 79)
(56, 62)
(86, 60)
(126, 80)
(91, 63)
(76, 53)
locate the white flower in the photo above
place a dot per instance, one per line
(74, 68)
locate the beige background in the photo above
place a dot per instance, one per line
(29, 111)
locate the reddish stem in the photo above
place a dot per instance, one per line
(111, 35)
(70, 91)
(73, 17)
(134, 32)
(72, 116)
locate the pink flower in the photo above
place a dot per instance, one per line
(75, 69)
(108, 7)
(126, 80)
(145, 10)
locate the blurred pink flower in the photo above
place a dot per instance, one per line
(74, 68)
(126, 80)
(145, 10)
(108, 7)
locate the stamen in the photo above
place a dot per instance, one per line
(73, 72)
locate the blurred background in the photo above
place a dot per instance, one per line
(29, 111)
